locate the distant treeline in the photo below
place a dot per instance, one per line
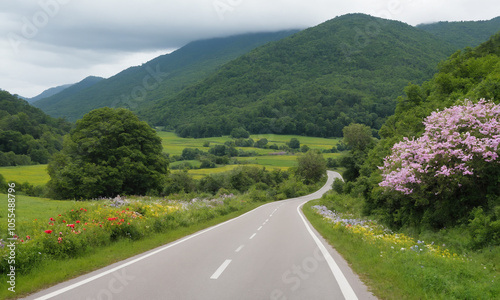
(27, 135)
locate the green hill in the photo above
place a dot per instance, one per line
(472, 73)
(349, 69)
(160, 78)
(463, 34)
(57, 104)
(48, 93)
(27, 134)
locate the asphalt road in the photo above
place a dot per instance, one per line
(271, 252)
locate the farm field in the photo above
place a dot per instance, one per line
(172, 144)
(35, 175)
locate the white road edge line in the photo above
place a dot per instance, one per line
(253, 235)
(104, 273)
(345, 287)
(221, 269)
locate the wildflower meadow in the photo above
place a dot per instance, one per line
(93, 224)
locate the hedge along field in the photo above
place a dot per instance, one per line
(200, 173)
(279, 161)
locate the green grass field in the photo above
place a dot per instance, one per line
(35, 175)
(172, 144)
(31, 208)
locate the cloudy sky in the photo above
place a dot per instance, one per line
(46, 43)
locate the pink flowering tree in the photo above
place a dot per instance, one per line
(453, 167)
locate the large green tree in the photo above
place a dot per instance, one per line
(110, 152)
(311, 167)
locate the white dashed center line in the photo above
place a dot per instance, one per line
(221, 269)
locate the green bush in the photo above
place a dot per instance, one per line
(484, 229)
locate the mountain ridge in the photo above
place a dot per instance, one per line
(309, 71)
(464, 33)
(48, 92)
(160, 77)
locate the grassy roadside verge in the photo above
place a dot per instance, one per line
(53, 271)
(393, 269)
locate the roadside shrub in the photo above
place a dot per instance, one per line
(438, 179)
(338, 185)
(484, 229)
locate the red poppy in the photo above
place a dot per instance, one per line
(48, 231)
(71, 225)
(78, 222)
(28, 237)
(64, 221)
(52, 219)
(59, 215)
(81, 208)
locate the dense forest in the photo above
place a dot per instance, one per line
(160, 78)
(463, 34)
(447, 198)
(349, 69)
(27, 134)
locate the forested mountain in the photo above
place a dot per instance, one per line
(57, 105)
(48, 93)
(159, 78)
(349, 69)
(27, 134)
(463, 34)
(467, 74)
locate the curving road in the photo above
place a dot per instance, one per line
(271, 252)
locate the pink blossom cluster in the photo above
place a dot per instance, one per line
(454, 140)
